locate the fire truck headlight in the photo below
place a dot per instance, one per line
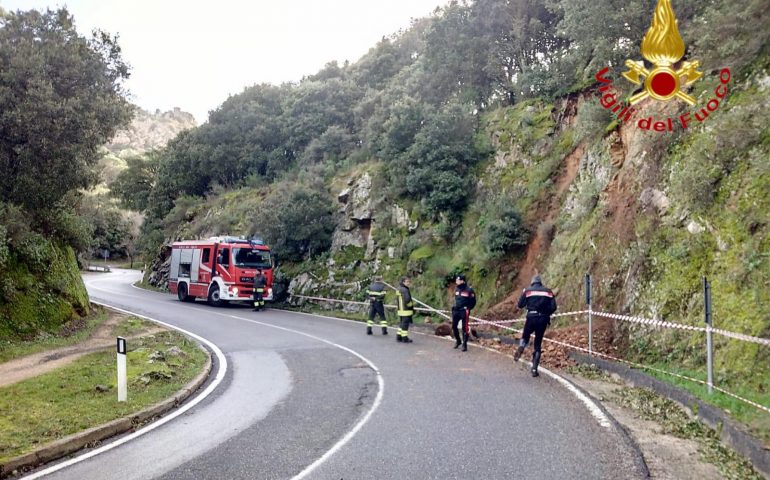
(235, 290)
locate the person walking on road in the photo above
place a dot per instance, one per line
(376, 292)
(405, 310)
(465, 300)
(540, 303)
(260, 281)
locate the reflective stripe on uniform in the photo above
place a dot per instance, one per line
(402, 309)
(537, 293)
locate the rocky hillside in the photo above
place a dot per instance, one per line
(417, 161)
(150, 130)
(146, 132)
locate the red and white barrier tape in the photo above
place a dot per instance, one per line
(608, 315)
(614, 316)
(741, 336)
(680, 326)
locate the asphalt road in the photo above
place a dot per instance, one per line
(311, 397)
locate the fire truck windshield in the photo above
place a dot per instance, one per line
(251, 258)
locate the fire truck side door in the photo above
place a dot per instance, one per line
(204, 275)
(195, 267)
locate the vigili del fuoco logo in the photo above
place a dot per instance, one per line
(664, 49)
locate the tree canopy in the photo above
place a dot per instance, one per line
(61, 99)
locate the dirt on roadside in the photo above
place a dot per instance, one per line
(102, 338)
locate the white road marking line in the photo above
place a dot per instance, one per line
(352, 432)
(592, 407)
(213, 385)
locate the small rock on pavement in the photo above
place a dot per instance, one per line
(443, 330)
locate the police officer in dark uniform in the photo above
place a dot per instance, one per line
(376, 292)
(405, 310)
(540, 303)
(260, 281)
(465, 300)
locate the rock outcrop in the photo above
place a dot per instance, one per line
(150, 130)
(355, 215)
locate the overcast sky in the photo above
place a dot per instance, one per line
(192, 54)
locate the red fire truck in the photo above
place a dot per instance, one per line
(220, 269)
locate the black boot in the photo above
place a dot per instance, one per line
(458, 339)
(368, 330)
(406, 339)
(465, 342)
(398, 338)
(517, 355)
(535, 363)
(384, 330)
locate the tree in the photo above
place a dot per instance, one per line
(133, 186)
(296, 221)
(436, 168)
(504, 232)
(61, 98)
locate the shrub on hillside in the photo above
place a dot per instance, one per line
(296, 221)
(504, 232)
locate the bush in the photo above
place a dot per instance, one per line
(503, 231)
(296, 220)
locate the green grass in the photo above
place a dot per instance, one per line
(138, 265)
(65, 401)
(675, 421)
(131, 326)
(147, 286)
(756, 420)
(80, 330)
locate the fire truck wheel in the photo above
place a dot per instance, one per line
(214, 297)
(182, 294)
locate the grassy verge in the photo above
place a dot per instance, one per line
(54, 405)
(72, 333)
(757, 421)
(675, 421)
(147, 286)
(131, 326)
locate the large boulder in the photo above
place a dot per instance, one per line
(354, 218)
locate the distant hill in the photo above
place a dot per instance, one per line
(147, 131)
(150, 130)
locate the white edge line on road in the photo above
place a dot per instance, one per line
(593, 408)
(213, 385)
(352, 432)
(340, 443)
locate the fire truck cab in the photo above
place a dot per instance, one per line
(220, 269)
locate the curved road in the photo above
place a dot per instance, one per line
(300, 398)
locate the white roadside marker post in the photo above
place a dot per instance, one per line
(708, 319)
(122, 381)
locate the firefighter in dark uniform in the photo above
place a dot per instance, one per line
(465, 300)
(259, 289)
(540, 303)
(376, 292)
(405, 310)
